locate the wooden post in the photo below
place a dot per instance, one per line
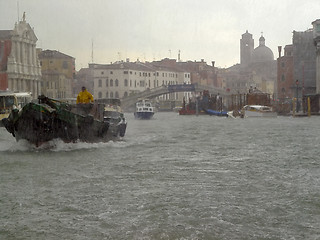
(294, 107)
(309, 107)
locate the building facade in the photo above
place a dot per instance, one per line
(122, 79)
(58, 71)
(316, 41)
(285, 80)
(304, 62)
(19, 65)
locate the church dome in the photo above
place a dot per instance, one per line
(262, 53)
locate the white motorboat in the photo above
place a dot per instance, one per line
(258, 111)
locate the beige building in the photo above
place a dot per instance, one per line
(57, 74)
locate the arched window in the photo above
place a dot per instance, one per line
(117, 82)
(111, 83)
(107, 82)
(116, 95)
(107, 95)
(111, 94)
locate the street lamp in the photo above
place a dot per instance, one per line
(297, 87)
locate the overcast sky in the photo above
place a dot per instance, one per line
(155, 29)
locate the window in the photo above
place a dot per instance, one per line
(102, 73)
(130, 83)
(125, 94)
(126, 82)
(125, 72)
(117, 82)
(100, 83)
(107, 82)
(111, 94)
(107, 95)
(116, 95)
(111, 72)
(100, 95)
(282, 64)
(283, 78)
(111, 83)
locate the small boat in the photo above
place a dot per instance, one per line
(48, 119)
(144, 109)
(114, 116)
(216, 113)
(8, 101)
(258, 111)
(12, 100)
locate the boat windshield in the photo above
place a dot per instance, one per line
(7, 101)
(111, 114)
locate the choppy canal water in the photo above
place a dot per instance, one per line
(173, 177)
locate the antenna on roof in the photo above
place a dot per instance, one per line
(18, 10)
(92, 50)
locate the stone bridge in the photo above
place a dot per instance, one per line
(158, 91)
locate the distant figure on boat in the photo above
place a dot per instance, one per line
(84, 96)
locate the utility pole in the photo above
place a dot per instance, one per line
(297, 88)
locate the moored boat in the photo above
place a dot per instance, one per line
(258, 111)
(50, 119)
(8, 101)
(144, 109)
(216, 113)
(12, 100)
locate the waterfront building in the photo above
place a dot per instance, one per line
(304, 62)
(19, 65)
(58, 71)
(122, 79)
(285, 80)
(316, 40)
(297, 68)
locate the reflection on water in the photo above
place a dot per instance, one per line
(172, 177)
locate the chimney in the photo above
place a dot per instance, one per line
(279, 50)
(213, 62)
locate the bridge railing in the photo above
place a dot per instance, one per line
(164, 89)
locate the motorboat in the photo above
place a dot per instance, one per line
(48, 119)
(144, 109)
(258, 111)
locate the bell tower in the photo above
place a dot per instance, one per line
(246, 48)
